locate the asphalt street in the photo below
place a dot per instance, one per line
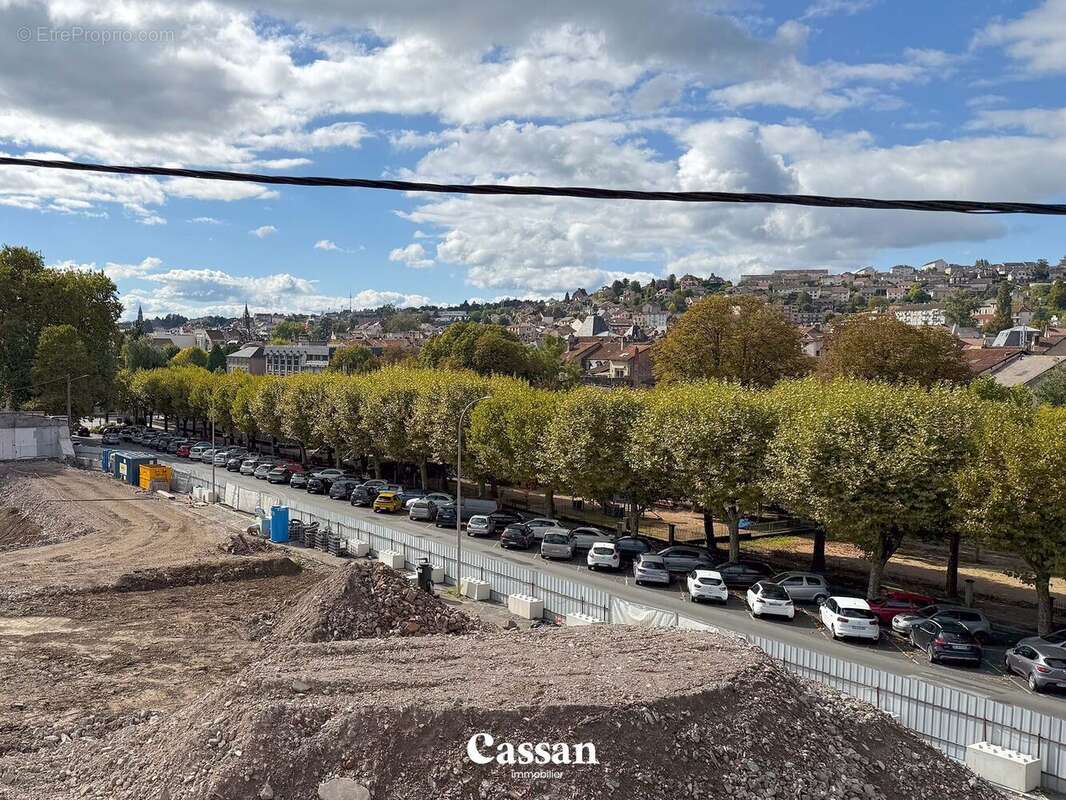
(890, 653)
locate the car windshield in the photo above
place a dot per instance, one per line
(556, 538)
(772, 591)
(655, 562)
(858, 613)
(1058, 637)
(603, 551)
(709, 581)
(1056, 663)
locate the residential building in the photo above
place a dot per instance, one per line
(919, 314)
(250, 359)
(613, 362)
(289, 359)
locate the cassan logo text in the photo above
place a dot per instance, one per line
(482, 749)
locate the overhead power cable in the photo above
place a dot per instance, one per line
(955, 206)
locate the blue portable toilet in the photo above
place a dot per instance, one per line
(279, 523)
(133, 468)
(105, 460)
(112, 467)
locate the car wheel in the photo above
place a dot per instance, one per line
(591, 566)
(1036, 687)
(981, 637)
(932, 655)
(820, 598)
(638, 582)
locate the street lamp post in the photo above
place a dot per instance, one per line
(212, 461)
(459, 496)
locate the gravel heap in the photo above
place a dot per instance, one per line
(368, 600)
(31, 517)
(672, 714)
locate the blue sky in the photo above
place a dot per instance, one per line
(858, 97)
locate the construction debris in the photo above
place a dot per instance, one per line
(368, 599)
(667, 713)
(32, 516)
(240, 545)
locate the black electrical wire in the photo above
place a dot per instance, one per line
(955, 206)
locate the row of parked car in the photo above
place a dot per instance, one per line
(944, 632)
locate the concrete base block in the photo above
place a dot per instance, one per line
(1008, 768)
(475, 589)
(392, 558)
(167, 495)
(575, 620)
(438, 574)
(525, 606)
(358, 548)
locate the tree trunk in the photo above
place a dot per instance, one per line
(818, 556)
(951, 578)
(634, 519)
(732, 515)
(377, 468)
(423, 475)
(494, 489)
(708, 531)
(1044, 612)
(886, 547)
(549, 499)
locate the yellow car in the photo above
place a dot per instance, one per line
(388, 501)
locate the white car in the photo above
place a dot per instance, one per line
(850, 617)
(440, 498)
(603, 555)
(769, 599)
(541, 524)
(707, 584)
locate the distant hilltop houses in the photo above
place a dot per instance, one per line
(609, 333)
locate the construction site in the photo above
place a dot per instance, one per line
(152, 649)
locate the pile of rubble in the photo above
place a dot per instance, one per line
(368, 600)
(32, 517)
(240, 545)
(667, 713)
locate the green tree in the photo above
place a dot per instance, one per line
(870, 462)
(61, 353)
(352, 359)
(216, 359)
(1052, 390)
(959, 307)
(1011, 497)
(738, 338)
(1056, 297)
(986, 388)
(883, 348)
(917, 294)
(142, 354)
(706, 442)
(1004, 316)
(266, 406)
(288, 331)
(242, 412)
(190, 357)
(401, 322)
(302, 403)
(487, 349)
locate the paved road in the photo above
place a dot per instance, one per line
(890, 653)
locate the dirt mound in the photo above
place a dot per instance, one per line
(670, 714)
(368, 600)
(144, 580)
(240, 545)
(33, 516)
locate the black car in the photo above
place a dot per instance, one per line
(341, 488)
(82, 431)
(321, 481)
(499, 520)
(744, 572)
(365, 493)
(234, 464)
(517, 536)
(298, 480)
(445, 516)
(685, 558)
(629, 547)
(946, 640)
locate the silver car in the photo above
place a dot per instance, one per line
(584, 538)
(423, 509)
(557, 544)
(479, 525)
(1043, 666)
(650, 568)
(970, 618)
(541, 524)
(803, 586)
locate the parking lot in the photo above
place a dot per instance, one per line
(890, 653)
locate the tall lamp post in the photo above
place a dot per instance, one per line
(459, 496)
(212, 462)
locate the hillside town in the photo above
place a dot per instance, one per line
(608, 334)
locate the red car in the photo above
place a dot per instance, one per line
(183, 450)
(889, 604)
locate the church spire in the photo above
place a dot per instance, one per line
(247, 318)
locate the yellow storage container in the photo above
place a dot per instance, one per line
(153, 474)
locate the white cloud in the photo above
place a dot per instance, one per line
(829, 8)
(117, 272)
(263, 231)
(1041, 121)
(326, 244)
(414, 256)
(206, 221)
(1037, 39)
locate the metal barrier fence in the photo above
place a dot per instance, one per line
(947, 718)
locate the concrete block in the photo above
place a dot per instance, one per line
(162, 493)
(438, 574)
(1008, 768)
(575, 620)
(357, 548)
(392, 558)
(475, 589)
(525, 606)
